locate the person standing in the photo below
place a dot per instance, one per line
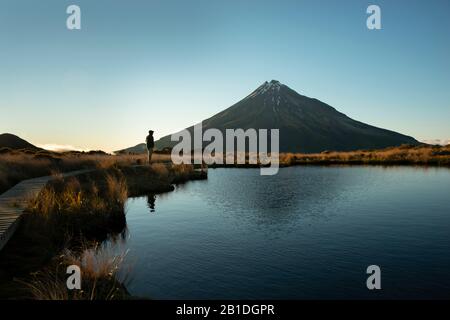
(150, 141)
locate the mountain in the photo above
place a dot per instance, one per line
(306, 125)
(14, 142)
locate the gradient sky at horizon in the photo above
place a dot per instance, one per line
(168, 64)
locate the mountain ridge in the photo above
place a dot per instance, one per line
(306, 124)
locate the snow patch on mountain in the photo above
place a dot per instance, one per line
(273, 87)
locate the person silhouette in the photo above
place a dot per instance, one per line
(150, 141)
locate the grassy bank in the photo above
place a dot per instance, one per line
(403, 155)
(423, 155)
(18, 165)
(66, 222)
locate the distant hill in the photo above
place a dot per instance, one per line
(140, 148)
(306, 124)
(11, 141)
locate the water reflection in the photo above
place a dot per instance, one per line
(282, 202)
(151, 198)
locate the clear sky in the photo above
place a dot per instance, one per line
(168, 64)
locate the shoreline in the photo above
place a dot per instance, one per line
(405, 155)
(332, 164)
(34, 250)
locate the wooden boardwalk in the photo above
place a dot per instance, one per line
(14, 201)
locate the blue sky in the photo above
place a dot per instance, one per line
(168, 64)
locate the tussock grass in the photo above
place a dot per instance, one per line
(72, 210)
(160, 170)
(66, 196)
(100, 278)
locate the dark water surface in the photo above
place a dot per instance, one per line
(308, 232)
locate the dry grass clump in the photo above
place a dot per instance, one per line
(182, 172)
(100, 279)
(66, 196)
(79, 208)
(160, 170)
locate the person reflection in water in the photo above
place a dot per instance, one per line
(151, 198)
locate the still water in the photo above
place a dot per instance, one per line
(308, 232)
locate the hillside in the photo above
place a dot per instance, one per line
(11, 141)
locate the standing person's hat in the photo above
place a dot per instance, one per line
(150, 131)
